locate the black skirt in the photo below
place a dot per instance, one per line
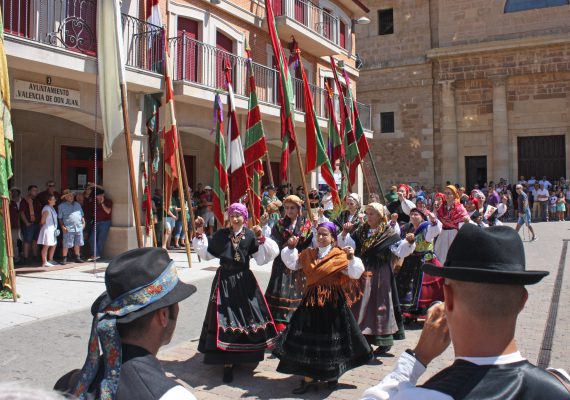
(322, 342)
(284, 291)
(238, 326)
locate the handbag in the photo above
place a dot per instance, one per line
(57, 232)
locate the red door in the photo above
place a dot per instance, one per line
(187, 50)
(77, 167)
(224, 51)
(342, 34)
(16, 17)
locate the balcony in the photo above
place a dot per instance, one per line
(318, 30)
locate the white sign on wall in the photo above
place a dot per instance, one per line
(47, 94)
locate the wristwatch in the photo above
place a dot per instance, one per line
(413, 354)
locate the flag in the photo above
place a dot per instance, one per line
(153, 12)
(255, 143)
(151, 107)
(220, 173)
(359, 135)
(170, 134)
(236, 162)
(111, 71)
(350, 147)
(316, 154)
(335, 138)
(286, 94)
(6, 139)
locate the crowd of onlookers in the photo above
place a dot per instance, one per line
(47, 225)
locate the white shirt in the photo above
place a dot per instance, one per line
(290, 258)
(400, 384)
(541, 192)
(401, 249)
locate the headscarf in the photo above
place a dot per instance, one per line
(475, 202)
(238, 208)
(379, 208)
(356, 198)
(420, 199)
(331, 228)
(293, 199)
(406, 190)
(454, 191)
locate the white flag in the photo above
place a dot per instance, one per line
(111, 64)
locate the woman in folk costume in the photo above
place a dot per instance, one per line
(404, 194)
(416, 289)
(353, 213)
(286, 288)
(378, 245)
(238, 326)
(323, 340)
(452, 215)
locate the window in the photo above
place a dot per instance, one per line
(342, 29)
(522, 5)
(387, 122)
(386, 22)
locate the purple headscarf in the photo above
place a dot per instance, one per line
(238, 208)
(331, 228)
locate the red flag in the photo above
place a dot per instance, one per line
(170, 135)
(220, 173)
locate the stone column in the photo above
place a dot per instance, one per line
(449, 147)
(500, 143)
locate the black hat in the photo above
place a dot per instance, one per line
(137, 268)
(486, 255)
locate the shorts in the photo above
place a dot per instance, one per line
(72, 239)
(209, 219)
(31, 233)
(169, 225)
(524, 217)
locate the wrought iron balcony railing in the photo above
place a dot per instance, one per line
(313, 17)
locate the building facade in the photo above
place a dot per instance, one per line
(467, 91)
(51, 49)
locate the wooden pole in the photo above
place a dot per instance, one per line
(364, 175)
(251, 208)
(271, 181)
(305, 187)
(183, 208)
(186, 186)
(133, 182)
(9, 249)
(147, 182)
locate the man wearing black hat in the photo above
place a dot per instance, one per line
(485, 278)
(132, 320)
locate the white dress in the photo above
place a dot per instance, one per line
(47, 232)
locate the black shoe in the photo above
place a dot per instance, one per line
(305, 387)
(332, 384)
(228, 374)
(79, 260)
(382, 350)
(63, 261)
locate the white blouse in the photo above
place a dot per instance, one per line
(290, 258)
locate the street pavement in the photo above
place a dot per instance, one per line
(45, 333)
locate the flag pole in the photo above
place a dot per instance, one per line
(133, 182)
(147, 184)
(9, 249)
(183, 207)
(381, 192)
(269, 169)
(186, 186)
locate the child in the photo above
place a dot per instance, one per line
(552, 206)
(561, 206)
(323, 340)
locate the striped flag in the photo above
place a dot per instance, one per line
(220, 185)
(350, 146)
(153, 12)
(316, 154)
(170, 135)
(362, 142)
(335, 138)
(255, 142)
(286, 94)
(236, 161)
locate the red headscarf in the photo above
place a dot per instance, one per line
(406, 190)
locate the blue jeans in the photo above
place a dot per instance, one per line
(102, 232)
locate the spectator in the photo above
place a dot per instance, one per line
(48, 234)
(158, 214)
(138, 322)
(545, 182)
(541, 197)
(16, 204)
(300, 192)
(524, 212)
(531, 181)
(493, 198)
(208, 214)
(271, 196)
(567, 195)
(314, 199)
(30, 214)
(102, 223)
(552, 200)
(170, 224)
(484, 294)
(283, 191)
(561, 206)
(50, 190)
(392, 196)
(327, 202)
(72, 222)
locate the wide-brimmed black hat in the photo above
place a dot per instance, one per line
(137, 268)
(486, 255)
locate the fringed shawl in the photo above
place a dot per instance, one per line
(325, 273)
(452, 217)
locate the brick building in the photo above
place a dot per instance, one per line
(51, 46)
(467, 90)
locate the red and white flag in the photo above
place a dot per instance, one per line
(235, 158)
(153, 12)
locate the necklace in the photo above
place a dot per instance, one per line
(235, 244)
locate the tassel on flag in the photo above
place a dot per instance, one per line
(286, 94)
(236, 162)
(220, 184)
(316, 155)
